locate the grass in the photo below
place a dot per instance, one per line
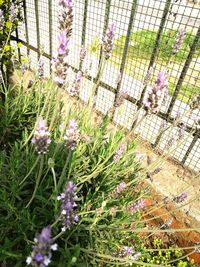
(140, 50)
(142, 44)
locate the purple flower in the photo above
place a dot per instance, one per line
(1, 19)
(136, 256)
(75, 88)
(59, 65)
(170, 142)
(181, 130)
(121, 96)
(41, 254)
(178, 41)
(162, 79)
(66, 3)
(108, 41)
(83, 53)
(180, 198)
(41, 138)
(66, 16)
(137, 206)
(14, 11)
(63, 44)
(68, 204)
(72, 135)
(40, 69)
(119, 153)
(128, 252)
(155, 95)
(118, 190)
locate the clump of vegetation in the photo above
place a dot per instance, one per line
(10, 16)
(142, 44)
(72, 192)
(158, 254)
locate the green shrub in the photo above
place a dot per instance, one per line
(30, 184)
(90, 166)
(18, 111)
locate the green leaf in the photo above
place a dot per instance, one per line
(7, 47)
(76, 251)
(19, 44)
(8, 24)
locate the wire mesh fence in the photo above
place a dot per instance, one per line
(145, 31)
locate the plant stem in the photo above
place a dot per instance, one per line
(54, 179)
(56, 221)
(58, 235)
(61, 179)
(33, 167)
(37, 181)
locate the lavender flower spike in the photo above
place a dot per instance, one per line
(139, 205)
(72, 135)
(66, 3)
(83, 53)
(1, 19)
(178, 41)
(75, 88)
(59, 65)
(42, 249)
(128, 252)
(66, 16)
(108, 41)
(121, 96)
(14, 11)
(40, 69)
(63, 44)
(68, 204)
(180, 198)
(118, 190)
(155, 95)
(41, 138)
(119, 153)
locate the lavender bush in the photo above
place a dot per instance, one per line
(75, 185)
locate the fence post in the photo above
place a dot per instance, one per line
(84, 28)
(50, 29)
(184, 72)
(127, 40)
(156, 47)
(18, 49)
(37, 27)
(26, 26)
(180, 82)
(194, 140)
(106, 18)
